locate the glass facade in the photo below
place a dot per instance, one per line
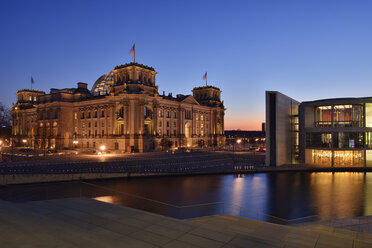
(369, 158)
(368, 114)
(369, 140)
(343, 138)
(321, 157)
(323, 116)
(348, 158)
(348, 140)
(323, 140)
(348, 115)
(341, 158)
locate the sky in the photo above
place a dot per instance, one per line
(307, 50)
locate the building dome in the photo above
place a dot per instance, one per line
(103, 84)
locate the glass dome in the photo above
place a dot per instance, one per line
(103, 85)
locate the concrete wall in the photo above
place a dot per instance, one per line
(279, 136)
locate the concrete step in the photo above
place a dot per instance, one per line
(80, 222)
(286, 235)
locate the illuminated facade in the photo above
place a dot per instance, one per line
(333, 133)
(122, 111)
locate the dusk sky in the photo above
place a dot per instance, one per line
(306, 49)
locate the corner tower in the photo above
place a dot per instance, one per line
(135, 78)
(208, 96)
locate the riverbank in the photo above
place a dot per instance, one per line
(89, 167)
(10, 179)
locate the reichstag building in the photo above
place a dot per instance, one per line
(123, 111)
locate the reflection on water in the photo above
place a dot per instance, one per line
(285, 195)
(108, 199)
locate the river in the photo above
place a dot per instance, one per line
(289, 196)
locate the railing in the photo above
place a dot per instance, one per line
(184, 212)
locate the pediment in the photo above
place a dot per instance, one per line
(191, 100)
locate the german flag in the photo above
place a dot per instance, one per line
(132, 52)
(205, 76)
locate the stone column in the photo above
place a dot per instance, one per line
(140, 124)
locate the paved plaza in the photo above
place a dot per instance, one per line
(82, 222)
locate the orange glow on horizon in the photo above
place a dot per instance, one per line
(244, 123)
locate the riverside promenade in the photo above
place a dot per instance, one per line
(83, 166)
(72, 167)
(82, 222)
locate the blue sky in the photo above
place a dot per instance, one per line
(305, 49)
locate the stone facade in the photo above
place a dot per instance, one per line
(123, 111)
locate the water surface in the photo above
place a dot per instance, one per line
(283, 195)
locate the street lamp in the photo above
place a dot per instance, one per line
(102, 148)
(24, 141)
(75, 142)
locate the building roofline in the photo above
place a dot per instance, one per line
(206, 87)
(28, 90)
(340, 99)
(134, 64)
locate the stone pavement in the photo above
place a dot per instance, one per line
(81, 222)
(357, 224)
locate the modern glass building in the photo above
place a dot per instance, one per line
(332, 133)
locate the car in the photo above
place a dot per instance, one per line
(183, 149)
(51, 151)
(261, 149)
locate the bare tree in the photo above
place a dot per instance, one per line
(5, 115)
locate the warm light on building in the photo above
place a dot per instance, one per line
(123, 110)
(328, 132)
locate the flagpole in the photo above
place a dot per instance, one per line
(134, 53)
(31, 83)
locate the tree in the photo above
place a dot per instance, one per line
(201, 143)
(165, 143)
(5, 115)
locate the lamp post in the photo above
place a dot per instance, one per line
(75, 142)
(239, 141)
(102, 148)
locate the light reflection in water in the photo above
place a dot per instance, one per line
(337, 195)
(108, 199)
(285, 195)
